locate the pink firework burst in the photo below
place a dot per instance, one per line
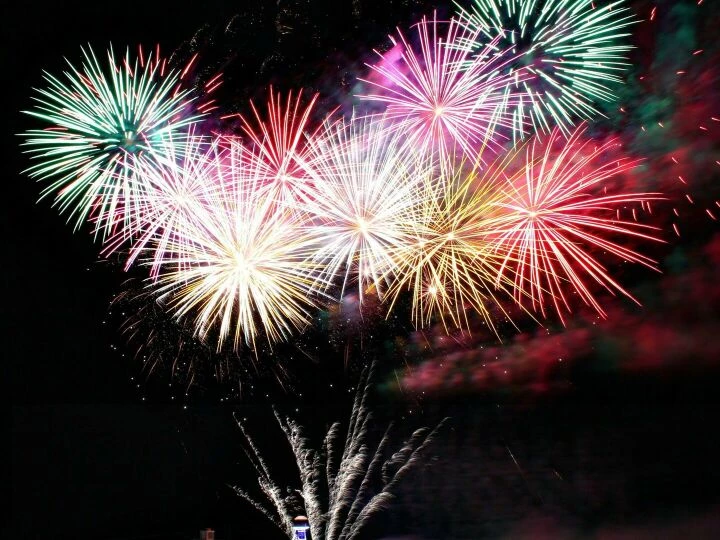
(556, 216)
(442, 95)
(174, 190)
(278, 147)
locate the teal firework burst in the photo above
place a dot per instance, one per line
(574, 49)
(102, 118)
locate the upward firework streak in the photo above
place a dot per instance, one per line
(555, 211)
(100, 119)
(574, 49)
(438, 97)
(342, 488)
(368, 196)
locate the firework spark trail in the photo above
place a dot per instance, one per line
(176, 189)
(574, 49)
(281, 512)
(339, 498)
(440, 97)
(241, 262)
(555, 211)
(278, 147)
(162, 344)
(170, 351)
(99, 118)
(405, 460)
(367, 196)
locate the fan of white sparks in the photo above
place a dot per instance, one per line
(342, 486)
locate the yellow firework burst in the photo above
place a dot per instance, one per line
(450, 266)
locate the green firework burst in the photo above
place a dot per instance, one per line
(100, 119)
(575, 50)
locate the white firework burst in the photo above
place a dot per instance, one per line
(241, 265)
(367, 197)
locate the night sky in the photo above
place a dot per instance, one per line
(617, 440)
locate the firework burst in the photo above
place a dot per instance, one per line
(450, 266)
(439, 96)
(177, 185)
(241, 265)
(574, 49)
(555, 211)
(100, 119)
(279, 147)
(367, 198)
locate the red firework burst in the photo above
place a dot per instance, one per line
(278, 147)
(556, 217)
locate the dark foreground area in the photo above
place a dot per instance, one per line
(631, 460)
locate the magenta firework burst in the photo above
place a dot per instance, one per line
(441, 95)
